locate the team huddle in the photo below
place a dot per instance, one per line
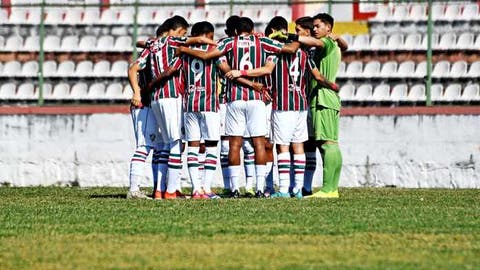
(248, 91)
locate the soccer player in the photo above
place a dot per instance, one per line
(289, 109)
(245, 107)
(325, 107)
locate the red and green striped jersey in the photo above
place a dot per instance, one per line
(289, 80)
(164, 54)
(200, 82)
(243, 53)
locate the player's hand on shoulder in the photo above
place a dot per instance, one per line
(233, 74)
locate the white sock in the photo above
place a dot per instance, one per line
(174, 166)
(234, 176)
(193, 164)
(299, 168)
(284, 171)
(137, 167)
(210, 168)
(260, 172)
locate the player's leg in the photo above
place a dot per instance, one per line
(235, 127)
(300, 135)
(211, 134)
(192, 135)
(201, 163)
(310, 148)
(224, 150)
(269, 147)
(249, 164)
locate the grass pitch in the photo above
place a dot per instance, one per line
(74, 228)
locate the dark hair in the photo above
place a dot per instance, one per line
(178, 22)
(245, 25)
(277, 23)
(161, 29)
(231, 24)
(305, 22)
(201, 28)
(325, 18)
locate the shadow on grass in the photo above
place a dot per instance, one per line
(109, 196)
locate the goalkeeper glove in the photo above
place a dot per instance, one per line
(279, 35)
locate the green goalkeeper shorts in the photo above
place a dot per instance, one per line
(325, 123)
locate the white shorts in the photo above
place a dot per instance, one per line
(246, 116)
(289, 127)
(145, 127)
(202, 125)
(169, 115)
(223, 113)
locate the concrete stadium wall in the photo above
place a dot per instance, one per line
(94, 150)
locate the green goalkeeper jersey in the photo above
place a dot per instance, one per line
(328, 60)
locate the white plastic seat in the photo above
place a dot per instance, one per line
(34, 16)
(371, 70)
(73, 16)
(30, 69)
(249, 12)
(465, 41)
(266, 14)
(441, 69)
(421, 70)
(197, 15)
(114, 91)
(452, 12)
(452, 92)
(102, 69)
(51, 43)
(7, 91)
(66, 69)
(413, 42)
(69, 44)
(395, 42)
(32, 43)
(180, 11)
(1, 67)
(285, 12)
(424, 44)
(3, 17)
(61, 91)
(341, 70)
(127, 92)
(470, 12)
(147, 15)
(18, 16)
(378, 42)
(347, 92)
(26, 91)
(381, 92)
(46, 91)
(13, 43)
(123, 44)
(389, 69)
(348, 38)
(400, 13)
(447, 41)
(79, 91)
(49, 68)
(119, 69)
(54, 16)
(471, 93)
(417, 93)
(384, 13)
(96, 91)
(126, 16)
(87, 44)
(364, 92)
(84, 69)
(91, 16)
(459, 69)
(474, 70)
(438, 11)
(399, 92)
(217, 15)
(360, 43)
(354, 69)
(417, 12)
(406, 69)
(105, 43)
(108, 17)
(436, 92)
(12, 69)
(161, 15)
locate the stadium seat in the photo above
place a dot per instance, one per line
(465, 41)
(26, 91)
(12, 69)
(87, 43)
(441, 69)
(471, 93)
(105, 44)
(123, 44)
(46, 91)
(417, 93)
(51, 43)
(285, 12)
(389, 69)
(381, 92)
(84, 69)
(438, 11)
(424, 44)
(447, 41)
(348, 38)
(102, 69)
(197, 15)
(452, 92)
(250, 12)
(34, 16)
(421, 70)
(3, 17)
(400, 13)
(180, 11)
(347, 92)
(69, 44)
(474, 70)
(161, 15)
(371, 70)
(406, 69)
(364, 92)
(384, 13)
(2, 41)
(54, 16)
(127, 92)
(91, 16)
(476, 45)
(79, 91)
(266, 14)
(417, 13)
(1, 67)
(378, 42)
(49, 68)
(108, 17)
(458, 70)
(470, 12)
(66, 69)
(436, 92)
(341, 70)
(147, 16)
(354, 69)
(395, 42)
(73, 16)
(30, 69)
(61, 91)
(413, 42)
(7, 91)
(114, 91)
(360, 43)
(119, 69)
(452, 12)
(13, 43)
(32, 43)
(96, 91)
(217, 15)
(126, 16)
(18, 16)
(399, 93)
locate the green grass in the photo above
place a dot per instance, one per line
(75, 228)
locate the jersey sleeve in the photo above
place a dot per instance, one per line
(272, 58)
(310, 64)
(176, 42)
(270, 45)
(176, 63)
(225, 45)
(142, 58)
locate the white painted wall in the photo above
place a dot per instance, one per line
(94, 150)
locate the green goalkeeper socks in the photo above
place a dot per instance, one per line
(332, 165)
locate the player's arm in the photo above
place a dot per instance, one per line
(133, 69)
(323, 81)
(257, 72)
(174, 66)
(290, 48)
(342, 43)
(199, 40)
(213, 53)
(225, 68)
